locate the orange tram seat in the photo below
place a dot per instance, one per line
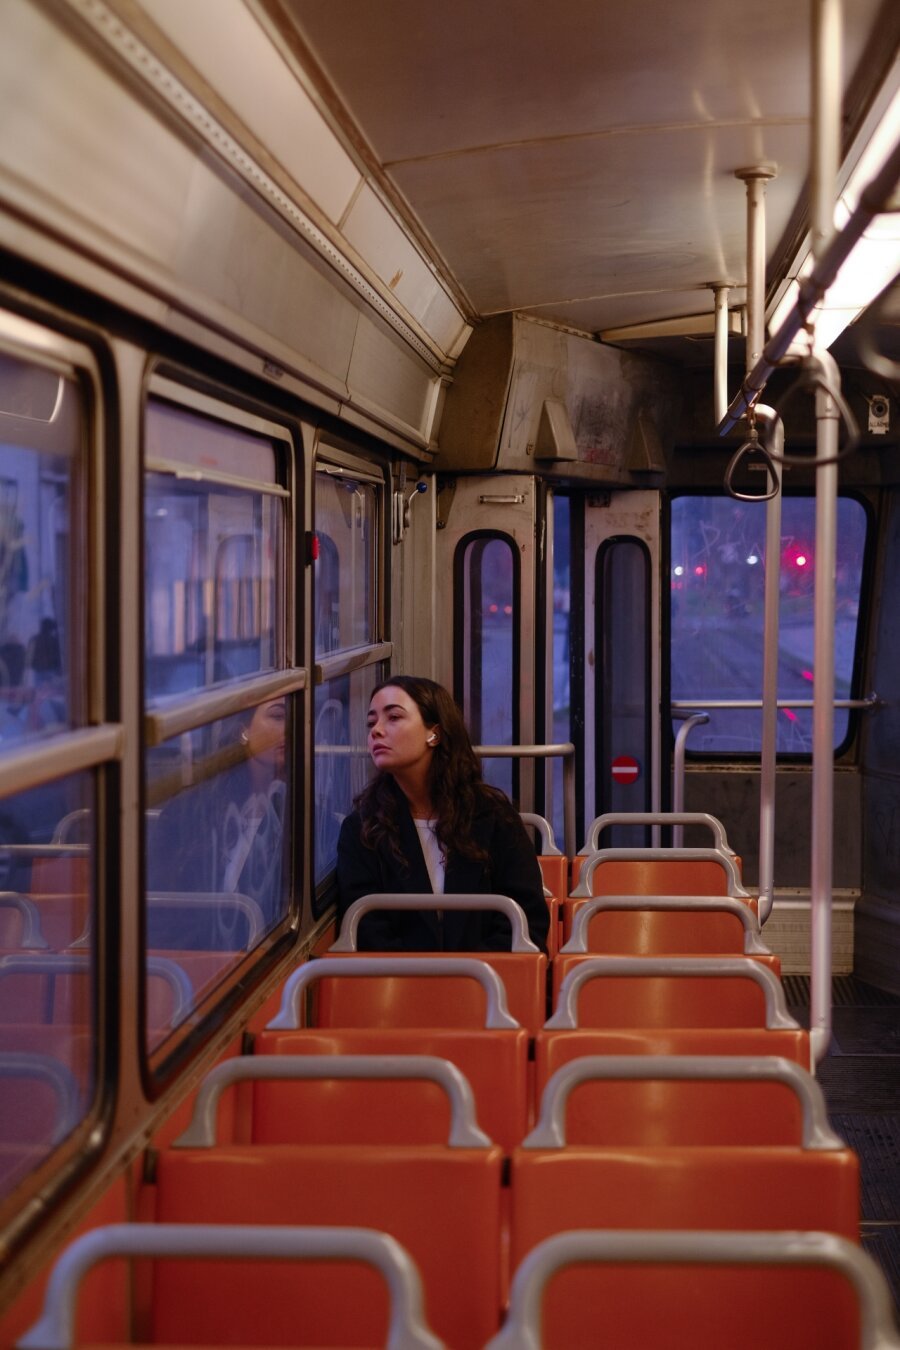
(391, 1301)
(523, 970)
(440, 1202)
(678, 1290)
(652, 925)
(657, 871)
(492, 1054)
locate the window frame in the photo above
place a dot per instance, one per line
(94, 746)
(179, 713)
(462, 639)
(334, 460)
(847, 747)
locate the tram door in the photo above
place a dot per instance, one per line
(485, 593)
(621, 758)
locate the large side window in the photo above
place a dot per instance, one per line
(348, 513)
(718, 562)
(220, 695)
(486, 587)
(52, 750)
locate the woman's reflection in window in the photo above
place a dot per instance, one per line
(225, 835)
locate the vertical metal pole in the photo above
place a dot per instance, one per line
(755, 179)
(827, 420)
(774, 439)
(720, 365)
(826, 108)
(569, 804)
(687, 726)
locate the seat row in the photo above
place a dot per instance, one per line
(653, 1162)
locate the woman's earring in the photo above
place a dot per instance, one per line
(245, 737)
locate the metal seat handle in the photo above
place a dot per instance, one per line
(497, 1015)
(522, 1329)
(55, 1329)
(550, 1131)
(503, 904)
(707, 967)
(675, 904)
(464, 1130)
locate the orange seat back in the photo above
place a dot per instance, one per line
(655, 876)
(715, 1187)
(649, 932)
(680, 1307)
(379, 1112)
(552, 1049)
(442, 1204)
(427, 1002)
(666, 1001)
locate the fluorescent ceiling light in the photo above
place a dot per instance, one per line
(875, 260)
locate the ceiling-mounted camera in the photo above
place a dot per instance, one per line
(879, 414)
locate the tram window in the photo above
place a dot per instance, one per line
(218, 856)
(562, 632)
(342, 759)
(41, 630)
(48, 968)
(486, 589)
(48, 1019)
(212, 583)
(345, 608)
(717, 585)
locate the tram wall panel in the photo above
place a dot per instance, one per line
(618, 410)
(878, 917)
(733, 796)
(207, 246)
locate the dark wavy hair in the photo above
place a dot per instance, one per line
(455, 784)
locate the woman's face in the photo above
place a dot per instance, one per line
(398, 738)
(265, 736)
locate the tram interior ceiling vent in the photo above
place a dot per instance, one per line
(555, 437)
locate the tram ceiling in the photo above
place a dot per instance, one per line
(576, 163)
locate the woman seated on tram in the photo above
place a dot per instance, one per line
(428, 822)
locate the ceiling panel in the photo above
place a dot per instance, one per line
(577, 159)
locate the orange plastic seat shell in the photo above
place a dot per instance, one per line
(649, 932)
(442, 1205)
(552, 1049)
(655, 876)
(494, 1062)
(695, 1307)
(666, 1001)
(428, 1002)
(716, 1187)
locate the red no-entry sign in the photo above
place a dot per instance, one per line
(625, 769)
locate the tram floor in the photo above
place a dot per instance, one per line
(860, 1077)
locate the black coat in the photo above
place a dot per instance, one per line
(511, 869)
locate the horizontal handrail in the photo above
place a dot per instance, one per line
(497, 1016)
(55, 1329)
(707, 967)
(867, 704)
(563, 750)
(522, 1329)
(503, 904)
(550, 1130)
(464, 1130)
(690, 904)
